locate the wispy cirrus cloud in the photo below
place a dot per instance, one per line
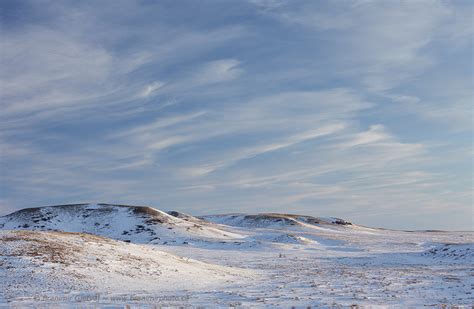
(216, 71)
(358, 109)
(150, 89)
(251, 152)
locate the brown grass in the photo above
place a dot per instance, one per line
(46, 247)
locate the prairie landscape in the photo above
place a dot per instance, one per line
(64, 254)
(286, 153)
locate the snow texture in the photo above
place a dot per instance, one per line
(109, 255)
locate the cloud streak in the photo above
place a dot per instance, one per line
(358, 109)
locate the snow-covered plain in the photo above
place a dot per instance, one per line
(100, 254)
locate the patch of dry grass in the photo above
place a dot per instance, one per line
(46, 247)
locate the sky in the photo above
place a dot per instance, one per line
(355, 109)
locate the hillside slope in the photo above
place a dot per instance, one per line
(274, 220)
(137, 224)
(48, 262)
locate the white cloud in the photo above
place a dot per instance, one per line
(206, 74)
(160, 123)
(166, 142)
(315, 112)
(376, 133)
(251, 152)
(150, 89)
(44, 69)
(198, 188)
(217, 71)
(382, 42)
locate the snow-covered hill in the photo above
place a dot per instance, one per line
(138, 224)
(44, 262)
(269, 260)
(272, 220)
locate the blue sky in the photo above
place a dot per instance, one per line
(355, 109)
